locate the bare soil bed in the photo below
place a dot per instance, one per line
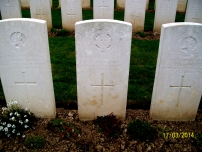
(92, 140)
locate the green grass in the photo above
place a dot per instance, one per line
(62, 51)
(142, 64)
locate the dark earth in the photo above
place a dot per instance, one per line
(92, 140)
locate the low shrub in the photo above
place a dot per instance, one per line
(138, 129)
(35, 142)
(110, 125)
(63, 129)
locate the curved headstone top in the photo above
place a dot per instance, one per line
(178, 83)
(25, 67)
(102, 64)
(103, 21)
(23, 19)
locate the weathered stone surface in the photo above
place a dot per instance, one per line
(165, 12)
(10, 9)
(120, 4)
(178, 82)
(25, 67)
(40, 9)
(102, 65)
(135, 14)
(181, 6)
(71, 13)
(194, 11)
(85, 3)
(103, 9)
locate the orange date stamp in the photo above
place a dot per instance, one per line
(178, 135)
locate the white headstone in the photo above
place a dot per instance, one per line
(40, 9)
(25, 67)
(181, 6)
(194, 11)
(71, 13)
(165, 12)
(178, 83)
(102, 65)
(147, 5)
(103, 9)
(85, 3)
(120, 4)
(135, 14)
(10, 9)
(26, 3)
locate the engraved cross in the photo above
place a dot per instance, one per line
(25, 83)
(9, 7)
(103, 7)
(102, 85)
(40, 13)
(180, 87)
(71, 14)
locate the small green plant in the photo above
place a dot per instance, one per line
(15, 120)
(141, 130)
(141, 34)
(63, 129)
(62, 32)
(53, 30)
(110, 125)
(35, 142)
(198, 139)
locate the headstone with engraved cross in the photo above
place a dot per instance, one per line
(10, 9)
(102, 65)
(25, 67)
(71, 13)
(194, 11)
(181, 6)
(135, 14)
(40, 9)
(165, 12)
(103, 9)
(178, 83)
